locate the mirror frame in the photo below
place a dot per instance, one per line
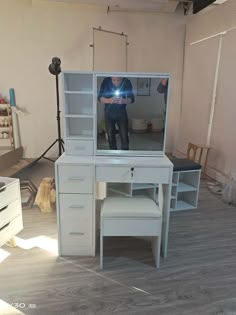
(130, 75)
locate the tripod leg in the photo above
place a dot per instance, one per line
(62, 145)
(42, 155)
(59, 139)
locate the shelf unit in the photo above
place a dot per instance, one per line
(185, 190)
(6, 129)
(79, 112)
(133, 189)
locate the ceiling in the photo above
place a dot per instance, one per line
(159, 6)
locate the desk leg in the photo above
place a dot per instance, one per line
(165, 219)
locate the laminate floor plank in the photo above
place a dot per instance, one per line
(197, 278)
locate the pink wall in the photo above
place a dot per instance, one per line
(200, 68)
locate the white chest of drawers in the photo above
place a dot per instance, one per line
(11, 221)
(76, 209)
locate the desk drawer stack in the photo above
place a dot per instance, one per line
(76, 209)
(11, 221)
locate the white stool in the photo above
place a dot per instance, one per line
(132, 216)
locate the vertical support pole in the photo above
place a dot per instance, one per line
(58, 117)
(213, 102)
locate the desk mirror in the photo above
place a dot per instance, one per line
(131, 113)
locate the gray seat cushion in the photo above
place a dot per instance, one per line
(185, 165)
(135, 207)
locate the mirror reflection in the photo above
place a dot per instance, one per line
(131, 113)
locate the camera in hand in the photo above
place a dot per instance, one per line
(117, 93)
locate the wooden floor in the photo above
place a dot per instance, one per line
(198, 276)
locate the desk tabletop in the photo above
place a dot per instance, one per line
(148, 161)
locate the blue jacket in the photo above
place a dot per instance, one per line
(108, 90)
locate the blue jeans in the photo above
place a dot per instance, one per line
(122, 123)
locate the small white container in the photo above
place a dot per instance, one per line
(139, 125)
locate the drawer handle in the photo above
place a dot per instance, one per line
(76, 233)
(6, 225)
(76, 207)
(132, 172)
(4, 208)
(81, 178)
(2, 189)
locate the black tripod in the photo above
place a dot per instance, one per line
(55, 69)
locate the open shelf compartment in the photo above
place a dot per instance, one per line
(82, 82)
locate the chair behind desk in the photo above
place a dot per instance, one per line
(198, 153)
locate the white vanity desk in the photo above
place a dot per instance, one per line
(76, 179)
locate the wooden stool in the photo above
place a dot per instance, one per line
(131, 216)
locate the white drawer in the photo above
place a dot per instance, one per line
(79, 147)
(77, 232)
(10, 229)
(9, 193)
(127, 174)
(75, 179)
(113, 174)
(76, 219)
(75, 207)
(151, 175)
(9, 212)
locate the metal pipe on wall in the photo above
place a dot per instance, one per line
(214, 92)
(213, 100)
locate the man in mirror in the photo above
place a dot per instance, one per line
(116, 93)
(163, 88)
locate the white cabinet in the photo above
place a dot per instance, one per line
(79, 113)
(185, 189)
(11, 221)
(76, 179)
(78, 170)
(76, 209)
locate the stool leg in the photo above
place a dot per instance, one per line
(156, 249)
(101, 248)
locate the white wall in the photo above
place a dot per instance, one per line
(222, 156)
(33, 31)
(208, 23)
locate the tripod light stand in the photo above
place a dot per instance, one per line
(55, 69)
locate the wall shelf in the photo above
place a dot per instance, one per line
(185, 187)
(79, 112)
(182, 205)
(79, 92)
(6, 129)
(79, 116)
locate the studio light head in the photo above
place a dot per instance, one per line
(55, 67)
